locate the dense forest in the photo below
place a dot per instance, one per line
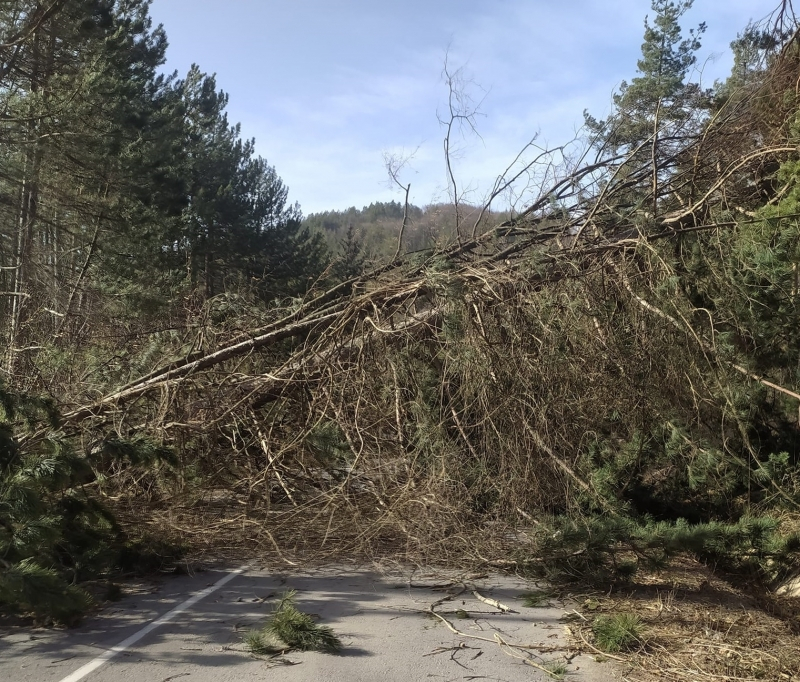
(588, 388)
(359, 238)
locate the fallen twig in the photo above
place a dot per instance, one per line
(493, 602)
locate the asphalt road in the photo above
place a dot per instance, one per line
(191, 629)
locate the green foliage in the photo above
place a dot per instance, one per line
(49, 530)
(556, 669)
(53, 535)
(297, 630)
(536, 599)
(141, 192)
(236, 222)
(660, 93)
(666, 471)
(749, 61)
(666, 56)
(32, 410)
(368, 235)
(371, 233)
(139, 450)
(259, 643)
(351, 259)
(27, 587)
(599, 549)
(618, 632)
(327, 443)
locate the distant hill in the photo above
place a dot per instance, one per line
(375, 228)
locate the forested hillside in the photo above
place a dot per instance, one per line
(587, 389)
(367, 237)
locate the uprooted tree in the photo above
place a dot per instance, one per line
(606, 379)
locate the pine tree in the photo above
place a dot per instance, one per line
(39, 500)
(82, 187)
(654, 116)
(351, 258)
(237, 223)
(659, 98)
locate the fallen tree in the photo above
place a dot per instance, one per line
(617, 357)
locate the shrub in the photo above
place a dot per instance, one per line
(619, 632)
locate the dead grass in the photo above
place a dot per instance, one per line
(699, 627)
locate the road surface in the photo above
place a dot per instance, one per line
(191, 629)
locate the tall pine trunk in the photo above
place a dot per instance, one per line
(24, 267)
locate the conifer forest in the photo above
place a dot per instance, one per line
(590, 388)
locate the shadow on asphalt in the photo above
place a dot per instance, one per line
(374, 615)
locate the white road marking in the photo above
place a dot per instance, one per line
(106, 656)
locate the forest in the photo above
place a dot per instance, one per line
(590, 389)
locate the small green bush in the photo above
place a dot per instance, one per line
(618, 632)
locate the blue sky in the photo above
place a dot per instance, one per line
(328, 86)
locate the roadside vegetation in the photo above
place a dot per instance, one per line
(619, 632)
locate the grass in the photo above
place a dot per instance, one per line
(556, 669)
(536, 598)
(295, 629)
(619, 632)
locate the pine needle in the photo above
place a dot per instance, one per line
(298, 630)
